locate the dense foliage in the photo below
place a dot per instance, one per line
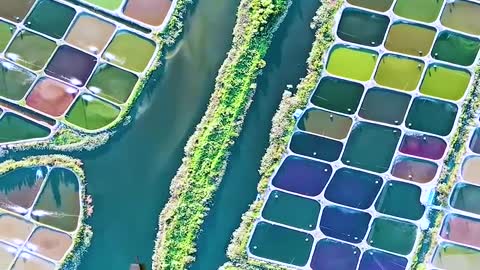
(207, 151)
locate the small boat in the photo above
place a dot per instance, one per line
(137, 265)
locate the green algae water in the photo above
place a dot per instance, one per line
(133, 171)
(337, 95)
(41, 19)
(285, 65)
(399, 72)
(14, 81)
(352, 63)
(378, 5)
(6, 33)
(456, 48)
(420, 10)
(15, 128)
(112, 83)
(358, 26)
(410, 39)
(392, 235)
(444, 82)
(106, 4)
(91, 113)
(30, 50)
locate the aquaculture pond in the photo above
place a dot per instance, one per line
(373, 135)
(39, 217)
(106, 54)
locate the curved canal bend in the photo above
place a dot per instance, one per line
(286, 64)
(129, 178)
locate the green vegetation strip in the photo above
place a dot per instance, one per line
(282, 129)
(450, 172)
(84, 234)
(207, 151)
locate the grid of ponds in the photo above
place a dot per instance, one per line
(459, 237)
(367, 152)
(76, 67)
(40, 209)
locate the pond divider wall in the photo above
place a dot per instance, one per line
(207, 151)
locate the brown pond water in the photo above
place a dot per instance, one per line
(471, 170)
(462, 230)
(325, 123)
(7, 255)
(151, 12)
(26, 261)
(14, 230)
(51, 97)
(90, 33)
(49, 243)
(13, 9)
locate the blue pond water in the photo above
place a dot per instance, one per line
(315, 146)
(344, 223)
(302, 176)
(353, 188)
(378, 260)
(333, 255)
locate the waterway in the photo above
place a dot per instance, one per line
(129, 178)
(286, 64)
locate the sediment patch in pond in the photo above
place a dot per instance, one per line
(413, 169)
(91, 113)
(280, 244)
(15, 10)
(324, 123)
(50, 18)
(371, 147)
(465, 197)
(362, 27)
(410, 38)
(51, 96)
(112, 83)
(400, 199)
(420, 10)
(353, 188)
(373, 259)
(60, 66)
(333, 255)
(392, 235)
(14, 230)
(432, 116)
(399, 72)
(19, 188)
(352, 62)
(445, 82)
(471, 169)
(315, 146)
(462, 15)
(461, 229)
(455, 48)
(454, 257)
(90, 33)
(152, 12)
(344, 223)
(130, 51)
(422, 145)
(15, 128)
(6, 34)
(59, 203)
(14, 80)
(377, 5)
(49, 243)
(338, 95)
(291, 210)
(7, 255)
(27, 261)
(30, 50)
(385, 106)
(303, 176)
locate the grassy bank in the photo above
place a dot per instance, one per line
(450, 172)
(283, 125)
(207, 151)
(84, 234)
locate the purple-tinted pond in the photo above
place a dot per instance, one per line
(414, 169)
(475, 142)
(71, 65)
(303, 176)
(353, 188)
(377, 260)
(344, 223)
(333, 255)
(424, 146)
(315, 146)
